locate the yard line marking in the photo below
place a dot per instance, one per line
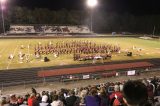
(12, 58)
(28, 47)
(28, 53)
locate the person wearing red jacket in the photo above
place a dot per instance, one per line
(32, 100)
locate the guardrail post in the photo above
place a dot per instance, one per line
(24, 84)
(2, 87)
(44, 80)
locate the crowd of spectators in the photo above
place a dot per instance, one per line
(125, 93)
(20, 29)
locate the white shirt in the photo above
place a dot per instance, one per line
(44, 98)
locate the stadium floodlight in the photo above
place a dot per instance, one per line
(91, 4)
(2, 2)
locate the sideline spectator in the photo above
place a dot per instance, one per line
(104, 97)
(150, 89)
(158, 90)
(38, 97)
(82, 94)
(20, 100)
(32, 100)
(3, 102)
(116, 98)
(13, 100)
(135, 93)
(72, 100)
(93, 99)
(44, 99)
(56, 101)
(61, 96)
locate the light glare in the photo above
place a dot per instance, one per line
(3, 7)
(2, 1)
(92, 3)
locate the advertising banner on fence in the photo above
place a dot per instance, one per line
(131, 73)
(86, 76)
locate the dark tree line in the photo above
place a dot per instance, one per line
(103, 21)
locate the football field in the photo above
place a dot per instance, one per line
(141, 49)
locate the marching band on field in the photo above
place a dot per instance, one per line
(75, 47)
(85, 50)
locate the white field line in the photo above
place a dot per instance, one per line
(28, 47)
(12, 59)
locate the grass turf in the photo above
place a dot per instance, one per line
(149, 49)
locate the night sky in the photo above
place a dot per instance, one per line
(120, 6)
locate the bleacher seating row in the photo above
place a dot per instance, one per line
(145, 92)
(31, 29)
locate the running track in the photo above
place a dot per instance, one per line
(92, 69)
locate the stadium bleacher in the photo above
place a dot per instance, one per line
(31, 29)
(102, 94)
(15, 29)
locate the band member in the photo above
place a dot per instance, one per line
(11, 56)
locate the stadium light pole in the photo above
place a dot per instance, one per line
(91, 4)
(2, 2)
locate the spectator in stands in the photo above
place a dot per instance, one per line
(135, 93)
(20, 100)
(32, 100)
(44, 99)
(104, 97)
(154, 81)
(3, 102)
(25, 98)
(61, 96)
(38, 98)
(72, 100)
(121, 86)
(56, 101)
(50, 96)
(158, 90)
(82, 93)
(150, 89)
(93, 99)
(116, 98)
(13, 100)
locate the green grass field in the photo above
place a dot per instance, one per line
(150, 49)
